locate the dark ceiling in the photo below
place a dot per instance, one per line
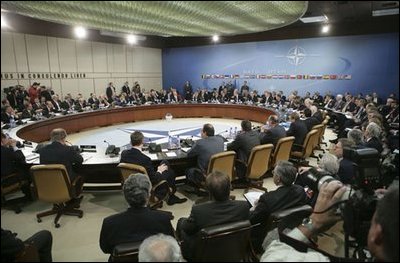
(345, 18)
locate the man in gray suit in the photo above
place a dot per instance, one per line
(203, 149)
(273, 132)
(242, 145)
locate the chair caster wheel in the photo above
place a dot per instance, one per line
(39, 220)
(57, 225)
(80, 216)
(18, 210)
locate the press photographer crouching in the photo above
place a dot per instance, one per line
(356, 205)
(383, 234)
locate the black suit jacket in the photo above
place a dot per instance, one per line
(273, 135)
(57, 153)
(244, 143)
(282, 198)
(310, 122)
(135, 156)
(207, 214)
(298, 129)
(10, 160)
(135, 224)
(374, 143)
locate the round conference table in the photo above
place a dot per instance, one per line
(100, 172)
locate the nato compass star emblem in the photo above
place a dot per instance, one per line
(296, 55)
(160, 136)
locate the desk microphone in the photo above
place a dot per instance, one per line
(107, 143)
(221, 132)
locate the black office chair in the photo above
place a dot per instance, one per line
(224, 243)
(126, 252)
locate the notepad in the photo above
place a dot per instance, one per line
(252, 197)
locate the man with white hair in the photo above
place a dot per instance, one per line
(160, 248)
(372, 134)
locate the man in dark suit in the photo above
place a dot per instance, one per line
(58, 152)
(273, 132)
(203, 149)
(346, 170)
(244, 87)
(219, 210)
(372, 134)
(110, 92)
(310, 121)
(8, 114)
(136, 156)
(13, 161)
(126, 89)
(287, 195)
(298, 129)
(138, 222)
(187, 91)
(242, 145)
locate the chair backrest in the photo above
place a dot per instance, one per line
(309, 143)
(320, 129)
(223, 162)
(223, 243)
(52, 183)
(126, 252)
(290, 217)
(258, 163)
(130, 168)
(282, 150)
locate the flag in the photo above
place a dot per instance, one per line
(333, 76)
(269, 76)
(293, 76)
(299, 76)
(326, 77)
(306, 76)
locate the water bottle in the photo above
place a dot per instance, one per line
(12, 122)
(169, 142)
(179, 143)
(230, 132)
(235, 132)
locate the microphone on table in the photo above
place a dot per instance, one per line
(219, 134)
(111, 149)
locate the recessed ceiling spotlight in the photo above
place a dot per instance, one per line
(325, 29)
(80, 32)
(132, 39)
(215, 38)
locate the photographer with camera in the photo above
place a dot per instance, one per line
(383, 236)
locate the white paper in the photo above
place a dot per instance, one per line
(185, 149)
(253, 197)
(171, 154)
(152, 156)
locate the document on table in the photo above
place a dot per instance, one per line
(171, 154)
(185, 149)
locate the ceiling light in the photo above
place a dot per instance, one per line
(215, 38)
(385, 12)
(80, 32)
(3, 22)
(314, 19)
(132, 39)
(325, 29)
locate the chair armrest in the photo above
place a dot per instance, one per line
(225, 228)
(286, 212)
(130, 249)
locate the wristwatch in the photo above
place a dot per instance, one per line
(307, 223)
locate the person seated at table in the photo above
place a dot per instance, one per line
(13, 162)
(219, 210)
(242, 145)
(203, 149)
(136, 156)
(272, 132)
(298, 129)
(138, 221)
